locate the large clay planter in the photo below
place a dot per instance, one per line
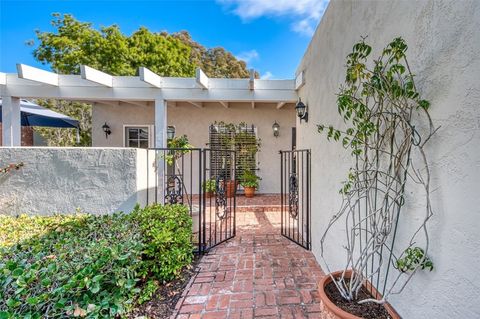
(249, 192)
(331, 311)
(231, 187)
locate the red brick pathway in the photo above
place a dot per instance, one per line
(258, 274)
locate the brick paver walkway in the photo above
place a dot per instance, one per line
(258, 274)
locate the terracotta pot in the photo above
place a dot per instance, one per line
(331, 311)
(231, 188)
(209, 194)
(249, 192)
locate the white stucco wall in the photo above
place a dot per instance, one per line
(61, 180)
(444, 46)
(194, 122)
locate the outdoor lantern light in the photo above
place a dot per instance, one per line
(301, 110)
(170, 132)
(276, 129)
(106, 129)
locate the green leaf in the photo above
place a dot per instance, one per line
(95, 288)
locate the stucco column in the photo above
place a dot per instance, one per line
(160, 123)
(11, 126)
(160, 142)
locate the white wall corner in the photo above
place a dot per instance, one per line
(142, 176)
(300, 80)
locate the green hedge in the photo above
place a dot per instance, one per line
(85, 265)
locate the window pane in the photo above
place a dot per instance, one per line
(132, 143)
(143, 133)
(136, 137)
(132, 133)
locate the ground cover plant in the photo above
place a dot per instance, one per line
(89, 266)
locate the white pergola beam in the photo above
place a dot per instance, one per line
(130, 88)
(224, 104)
(251, 82)
(11, 126)
(201, 78)
(197, 104)
(280, 105)
(96, 76)
(299, 80)
(38, 75)
(3, 78)
(160, 124)
(150, 77)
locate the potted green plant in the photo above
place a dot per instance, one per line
(250, 183)
(380, 105)
(209, 187)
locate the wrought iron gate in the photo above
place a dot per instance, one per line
(295, 196)
(202, 179)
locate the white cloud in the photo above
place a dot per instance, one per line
(248, 56)
(306, 13)
(266, 76)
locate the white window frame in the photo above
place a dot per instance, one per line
(151, 133)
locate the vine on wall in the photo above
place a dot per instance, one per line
(387, 127)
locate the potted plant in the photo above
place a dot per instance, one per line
(380, 107)
(209, 187)
(249, 183)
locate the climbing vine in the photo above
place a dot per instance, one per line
(387, 126)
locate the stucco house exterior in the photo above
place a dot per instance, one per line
(193, 120)
(444, 51)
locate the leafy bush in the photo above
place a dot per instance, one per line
(85, 265)
(250, 179)
(210, 185)
(167, 232)
(70, 266)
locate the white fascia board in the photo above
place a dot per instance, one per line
(150, 77)
(300, 80)
(38, 75)
(201, 78)
(3, 78)
(96, 76)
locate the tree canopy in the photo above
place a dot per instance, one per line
(73, 43)
(108, 49)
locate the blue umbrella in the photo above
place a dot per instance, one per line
(36, 115)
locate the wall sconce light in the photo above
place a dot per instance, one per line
(106, 130)
(301, 109)
(276, 129)
(170, 132)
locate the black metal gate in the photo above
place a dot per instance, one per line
(295, 196)
(202, 179)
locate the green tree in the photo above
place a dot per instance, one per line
(68, 137)
(74, 43)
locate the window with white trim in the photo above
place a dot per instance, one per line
(137, 136)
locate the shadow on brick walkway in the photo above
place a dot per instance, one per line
(258, 274)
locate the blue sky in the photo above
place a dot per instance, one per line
(271, 35)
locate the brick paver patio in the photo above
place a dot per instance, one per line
(258, 274)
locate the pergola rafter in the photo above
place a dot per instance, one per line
(97, 86)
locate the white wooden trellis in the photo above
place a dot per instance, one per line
(93, 85)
